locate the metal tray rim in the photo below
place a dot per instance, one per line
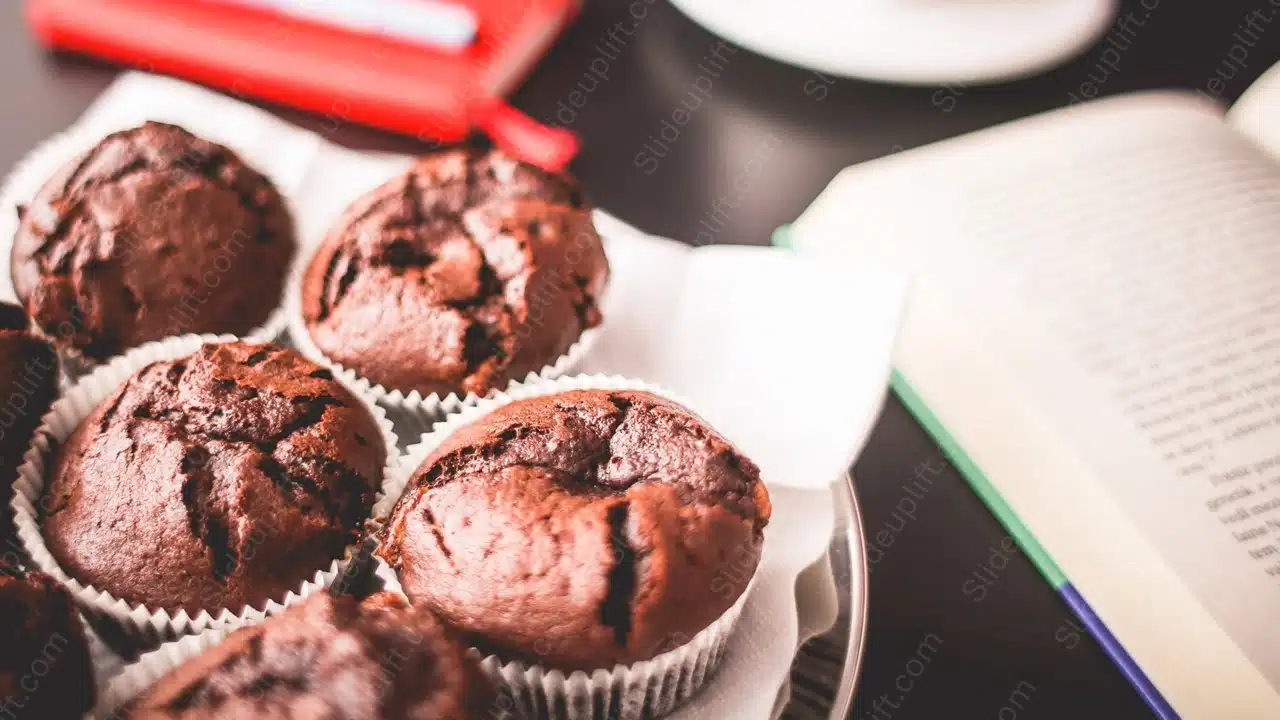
(858, 600)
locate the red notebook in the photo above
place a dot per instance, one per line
(363, 78)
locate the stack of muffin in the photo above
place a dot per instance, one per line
(197, 480)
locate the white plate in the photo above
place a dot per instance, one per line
(926, 42)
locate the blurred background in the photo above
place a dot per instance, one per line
(689, 134)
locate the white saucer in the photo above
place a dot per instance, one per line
(926, 42)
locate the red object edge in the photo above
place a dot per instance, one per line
(519, 135)
(346, 76)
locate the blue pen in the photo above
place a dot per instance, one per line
(434, 23)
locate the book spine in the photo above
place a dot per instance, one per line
(1043, 562)
(978, 481)
(987, 492)
(1113, 648)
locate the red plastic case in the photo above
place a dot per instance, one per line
(390, 84)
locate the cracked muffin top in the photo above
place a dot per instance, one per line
(45, 666)
(28, 387)
(218, 480)
(580, 530)
(153, 232)
(330, 657)
(469, 270)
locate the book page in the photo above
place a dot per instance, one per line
(1257, 113)
(1145, 321)
(1112, 270)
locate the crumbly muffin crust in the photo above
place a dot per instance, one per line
(218, 480)
(331, 657)
(154, 232)
(469, 270)
(28, 387)
(45, 668)
(581, 529)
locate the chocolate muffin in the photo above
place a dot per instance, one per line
(330, 657)
(218, 480)
(580, 530)
(28, 387)
(469, 270)
(154, 232)
(46, 672)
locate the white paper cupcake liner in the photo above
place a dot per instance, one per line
(106, 663)
(21, 185)
(433, 405)
(138, 621)
(646, 689)
(137, 678)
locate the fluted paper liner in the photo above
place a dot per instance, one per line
(25, 180)
(433, 405)
(139, 621)
(149, 668)
(650, 688)
(106, 663)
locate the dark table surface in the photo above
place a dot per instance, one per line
(933, 651)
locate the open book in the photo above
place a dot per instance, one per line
(1094, 337)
